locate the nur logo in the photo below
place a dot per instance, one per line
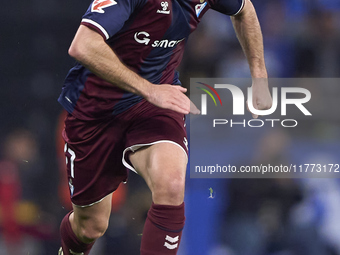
(204, 97)
(301, 97)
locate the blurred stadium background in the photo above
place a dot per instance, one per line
(246, 217)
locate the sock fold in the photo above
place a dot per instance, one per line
(163, 230)
(167, 217)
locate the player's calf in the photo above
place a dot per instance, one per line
(80, 238)
(90, 229)
(70, 243)
(80, 229)
(90, 235)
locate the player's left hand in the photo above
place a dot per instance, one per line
(262, 99)
(171, 97)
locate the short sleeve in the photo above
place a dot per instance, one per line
(107, 17)
(228, 7)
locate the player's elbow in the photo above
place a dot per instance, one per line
(72, 51)
(85, 44)
(80, 47)
(81, 50)
(76, 51)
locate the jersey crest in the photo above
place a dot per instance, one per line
(99, 5)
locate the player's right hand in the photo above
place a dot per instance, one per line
(171, 97)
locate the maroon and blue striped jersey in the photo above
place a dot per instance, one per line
(148, 36)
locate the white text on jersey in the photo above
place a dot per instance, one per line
(156, 44)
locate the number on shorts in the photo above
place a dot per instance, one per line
(72, 158)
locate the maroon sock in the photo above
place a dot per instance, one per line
(163, 230)
(69, 241)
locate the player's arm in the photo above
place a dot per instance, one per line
(248, 31)
(89, 48)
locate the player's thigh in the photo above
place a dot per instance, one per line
(162, 165)
(92, 219)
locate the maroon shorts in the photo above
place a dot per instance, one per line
(96, 150)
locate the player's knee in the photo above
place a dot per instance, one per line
(170, 191)
(92, 231)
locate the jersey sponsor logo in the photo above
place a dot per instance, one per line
(164, 6)
(145, 40)
(199, 8)
(99, 5)
(142, 38)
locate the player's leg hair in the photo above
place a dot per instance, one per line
(163, 167)
(84, 225)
